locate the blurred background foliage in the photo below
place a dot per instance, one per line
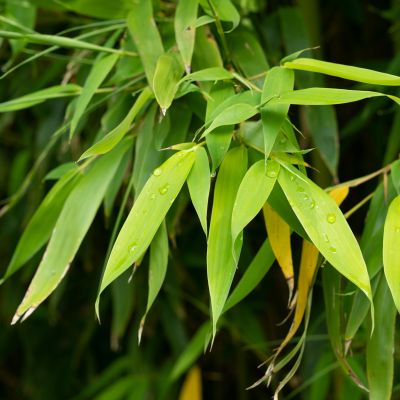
(61, 352)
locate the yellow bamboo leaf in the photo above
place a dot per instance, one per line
(339, 194)
(279, 237)
(191, 388)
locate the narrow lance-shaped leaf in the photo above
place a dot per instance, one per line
(40, 96)
(278, 80)
(98, 73)
(112, 138)
(157, 268)
(279, 237)
(381, 345)
(165, 82)
(185, 30)
(326, 226)
(344, 71)
(326, 96)
(222, 9)
(191, 389)
(146, 215)
(38, 231)
(60, 41)
(147, 41)
(221, 264)
(199, 186)
(71, 227)
(391, 246)
(232, 115)
(252, 194)
(209, 74)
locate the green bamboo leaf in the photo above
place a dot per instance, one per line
(74, 221)
(232, 115)
(221, 264)
(40, 96)
(277, 81)
(157, 268)
(249, 202)
(344, 71)
(146, 216)
(395, 175)
(112, 138)
(165, 82)
(39, 229)
(326, 96)
(61, 41)
(98, 73)
(391, 245)
(209, 74)
(255, 272)
(196, 346)
(199, 186)
(205, 43)
(326, 226)
(59, 171)
(219, 140)
(381, 345)
(147, 41)
(102, 9)
(223, 10)
(185, 30)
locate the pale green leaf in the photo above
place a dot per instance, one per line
(391, 246)
(253, 192)
(209, 74)
(344, 71)
(60, 41)
(40, 226)
(222, 9)
(326, 96)
(221, 263)
(381, 345)
(232, 115)
(98, 73)
(199, 186)
(74, 221)
(278, 80)
(112, 138)
(40, 96)
(185, 30)
(165, 82)
(326, 226)
(146, 215)
(147, 41)
(98, 9)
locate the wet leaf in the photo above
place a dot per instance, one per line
(326, 226)
(146, 215)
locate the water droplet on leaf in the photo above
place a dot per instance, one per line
(157, 172)
(331, 218)
(163, 189)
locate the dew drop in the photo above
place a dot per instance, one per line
(332, 249)
(300, 189)
(163, 189)
(157, 172)
(213, 174)
(331, 218)
(272, 170)
(312, 203)
(397, 229)
(325, 236)
(152, 196)
(292, 178)
(305, 197)
(133, 247)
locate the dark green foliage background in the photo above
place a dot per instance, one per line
(61, 352)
